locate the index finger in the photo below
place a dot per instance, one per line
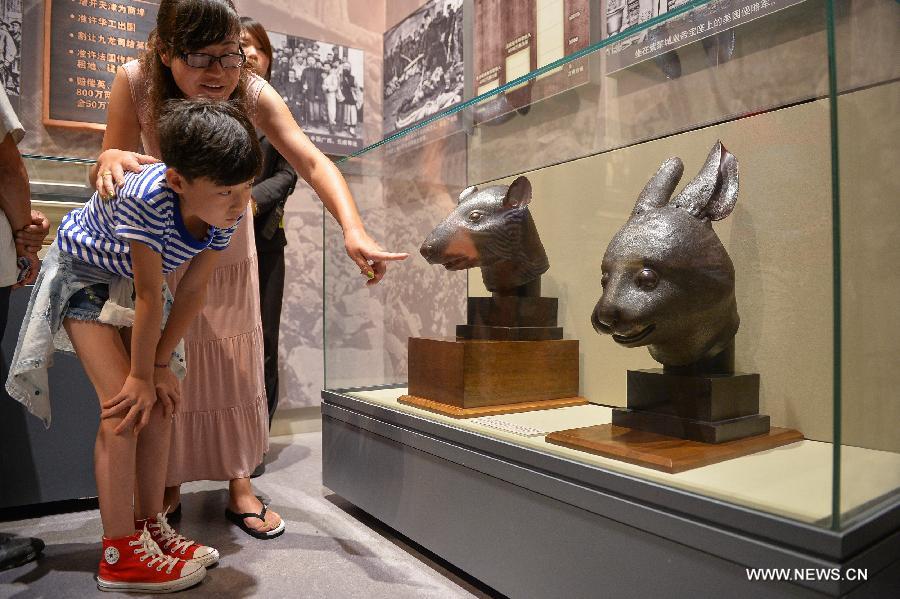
(381, 255)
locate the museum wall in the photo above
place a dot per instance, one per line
(780, 240)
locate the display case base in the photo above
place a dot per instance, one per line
(457, 412)
(660, 452)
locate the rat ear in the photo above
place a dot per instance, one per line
(465, 193)
(659, 188)
(713, 192)
(519, 194)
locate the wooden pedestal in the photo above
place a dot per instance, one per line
(468, 378)
(665, 453)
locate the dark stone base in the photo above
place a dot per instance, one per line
(711, 408)
(512, 311)
(694, 430)
(487, 333)
(698, 397)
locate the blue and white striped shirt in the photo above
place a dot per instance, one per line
(147, 210)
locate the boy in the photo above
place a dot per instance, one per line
(102, 288)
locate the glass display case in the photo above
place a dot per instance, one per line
(805, 98)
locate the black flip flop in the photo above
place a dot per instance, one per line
(238, 520)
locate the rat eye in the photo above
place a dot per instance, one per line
(475, 216)
(604, 279)
(646, 279)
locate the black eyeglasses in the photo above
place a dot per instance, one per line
(198, 60)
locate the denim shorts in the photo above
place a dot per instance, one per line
(87, 302)
(67, 287)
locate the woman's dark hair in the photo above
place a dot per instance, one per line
(254, 28)
(209, 138)
(186, 26)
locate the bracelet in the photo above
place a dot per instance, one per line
(166, 365)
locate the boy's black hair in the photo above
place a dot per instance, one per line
(209, 138)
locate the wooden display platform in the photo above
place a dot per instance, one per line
(458, 412)
(467, 374)
(660, 452)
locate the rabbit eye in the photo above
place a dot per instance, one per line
(604, 279)
(646, 279)
(474, 216)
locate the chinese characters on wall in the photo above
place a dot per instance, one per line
(86, 41)
(699, 24)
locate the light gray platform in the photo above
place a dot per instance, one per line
(532, 524)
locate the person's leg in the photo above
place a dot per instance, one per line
(172, 497)
(242, 500)
(4, 309)
(151, 457)
(14, 551)
(103, 356)
(271, 291)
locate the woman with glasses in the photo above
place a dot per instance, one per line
(220, 427)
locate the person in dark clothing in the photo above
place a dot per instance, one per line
(271, 190)
(433, 45)
(311, 83)
(22, 232)
(350, 95)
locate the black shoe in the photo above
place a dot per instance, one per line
(17, 551)
(260, 470)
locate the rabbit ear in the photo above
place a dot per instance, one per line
(519, 194)
(713, 193)
(465, 193)
(659, 188)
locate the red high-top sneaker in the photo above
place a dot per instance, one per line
(173, 544)
(136, 563)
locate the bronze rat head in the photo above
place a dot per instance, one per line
(491, 228)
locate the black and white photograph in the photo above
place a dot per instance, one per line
(11, 46)
(423, 64)
(322, 84)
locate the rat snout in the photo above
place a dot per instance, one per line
(603, 318)
(430, 250)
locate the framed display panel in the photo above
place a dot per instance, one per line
(85, 42)
(711, 20)
(801, 103)
(514, 39)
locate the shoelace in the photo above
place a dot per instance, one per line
(168, 536)
(151, 550)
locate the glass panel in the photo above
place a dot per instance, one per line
(762, 88)
(867, 103)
